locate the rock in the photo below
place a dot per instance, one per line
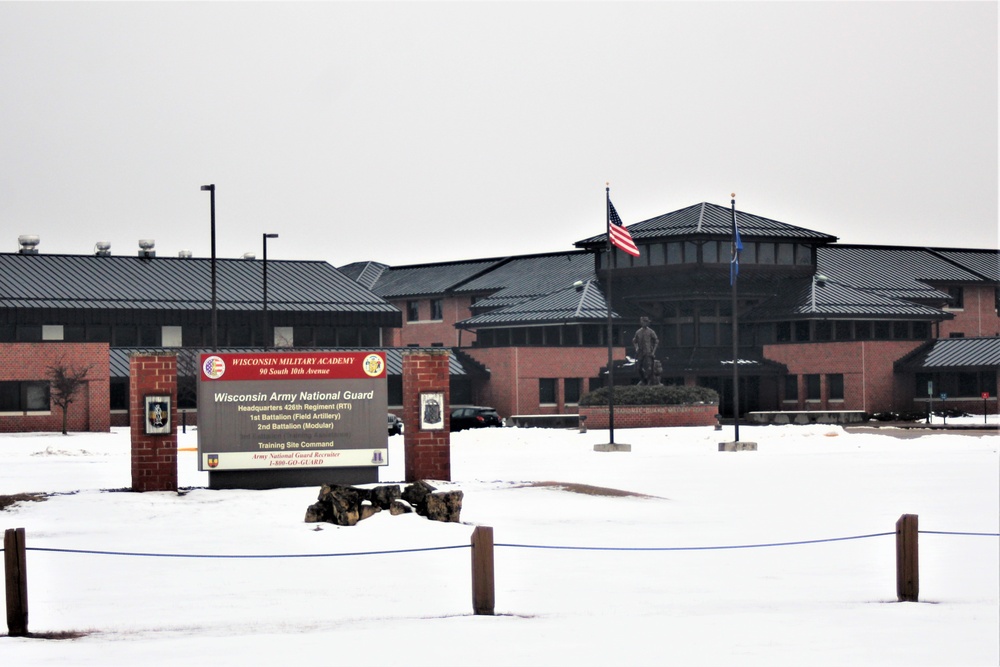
(416, 493)
(443, 506)
(367, 510)
(384, 496)
(316, 513)
(400, 507)
(343, 504)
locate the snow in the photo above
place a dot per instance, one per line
(825, 603)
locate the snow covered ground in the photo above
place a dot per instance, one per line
(823, 603)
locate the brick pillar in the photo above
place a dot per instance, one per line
(428, 452)
(154, 457)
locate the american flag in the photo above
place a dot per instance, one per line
(620, 238)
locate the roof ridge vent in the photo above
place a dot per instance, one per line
(102, 249)
(185, 254)
(29, 244)
(146, 248)
(249, 255)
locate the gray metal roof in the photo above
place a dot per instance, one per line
(807, 299)
(188, 358)
(122, 282)
(985, 263)
(711, 220)
(429, 279)
(901, 272)
(954, 354)
(571, 304)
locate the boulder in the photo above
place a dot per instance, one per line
(444, 506)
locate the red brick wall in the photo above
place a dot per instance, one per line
(515, 371)
(428, 453)
(646, 416)
(154, 457)
(90, 410)
(869, 382)
(426, 332)
(977, 317)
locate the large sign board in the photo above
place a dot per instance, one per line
(292, 410)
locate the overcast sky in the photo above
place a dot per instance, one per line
(422, 132)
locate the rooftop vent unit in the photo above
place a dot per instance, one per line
(249, 255)
(29, 244)
(146, 248)
(185, 254)
(102, 248)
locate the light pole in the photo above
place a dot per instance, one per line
(265, 327)
(215, 312)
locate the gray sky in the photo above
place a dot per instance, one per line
(422, 132)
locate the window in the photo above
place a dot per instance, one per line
(52, 332)
(24, 396)
(283, 337)
(675, 253)
(765, 253)
(783, 332)
(835, 385)
(690, 252)
(824, 330)
(710, 252)
(792, 388)
(957, 297)
(412, 311)
(547, 391)
(802, 331)
(786, 253)
(812, 388)
(842, 330)
(172, 336)
(437, 309)
(863, 330)
(571, 388)
(900, 330)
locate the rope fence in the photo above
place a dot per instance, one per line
(482, 546)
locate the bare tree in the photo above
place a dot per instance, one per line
(67, 381)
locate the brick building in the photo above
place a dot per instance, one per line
(822, 326)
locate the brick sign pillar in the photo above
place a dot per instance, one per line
(426, 401)
(154, 455)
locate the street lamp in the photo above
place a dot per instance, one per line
(265, 327)
(215, 313)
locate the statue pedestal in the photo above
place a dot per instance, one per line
(613, 447)
(738, 446)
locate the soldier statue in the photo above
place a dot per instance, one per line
(645, 343)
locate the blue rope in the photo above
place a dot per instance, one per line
(730, 546)
(159, 555)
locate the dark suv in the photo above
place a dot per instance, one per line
(474, 417)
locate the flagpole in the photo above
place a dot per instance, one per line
(611, 366)
(734, 273)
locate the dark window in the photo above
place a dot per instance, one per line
(656, 256)
(801, 331)
(707, 334)
(956, 334)
(518, 337)
(835, 386)
(687, 334)
(863, 330)
(347, 336)
(791, 387)
(921, 330)
(765, 253)
(24, 396)
(370, 337)
(394, 387)
(126, 335)
(150, 336)
(842, 330)
(326, 336)
(571, 387)
(900, 330)
(824, 330)
(783, 332)
(242, 336)
(883, 330)
(710, 252)
(957, 296)
(74, 333)
(786, 254)
(690, 252)
(812, 388)
(546, 390)
(536, 336)
(437, 309)
(7, 333)
(675, 253)
(119, 393)
(968, 384)
(592, 334)
(803, 255)
(925, 384)
(412, 311)
(749, 253)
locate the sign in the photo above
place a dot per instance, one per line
(157, 415)
(432, 411)
(986, 395)
(288, 410)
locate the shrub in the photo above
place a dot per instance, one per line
(653, 395)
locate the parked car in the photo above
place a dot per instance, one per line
(474, 417)
(395, 425)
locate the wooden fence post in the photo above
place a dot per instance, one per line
(907, 566)
(483, 591)
(16, 580)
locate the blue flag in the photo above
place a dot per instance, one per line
(734, 263)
